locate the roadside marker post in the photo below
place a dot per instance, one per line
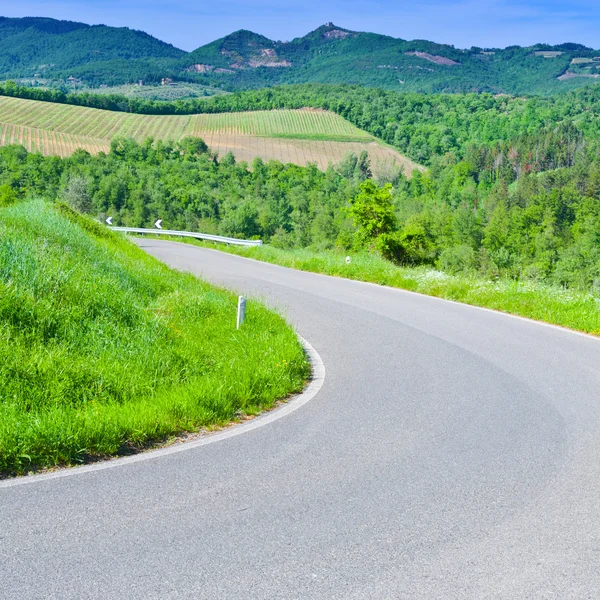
(241, 312)
(348, 260)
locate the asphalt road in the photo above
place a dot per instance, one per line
(452, 452)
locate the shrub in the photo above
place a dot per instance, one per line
(457, 259)
(8, 195)
(389, 245)
(282, 239)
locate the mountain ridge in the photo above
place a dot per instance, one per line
(42, 49)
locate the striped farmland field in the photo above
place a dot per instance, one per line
(297, 136)
(49, 142)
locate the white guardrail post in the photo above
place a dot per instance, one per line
(199, 236)
(241, 312)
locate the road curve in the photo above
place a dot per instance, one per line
(452, 452)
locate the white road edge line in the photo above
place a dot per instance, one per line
(316, 382)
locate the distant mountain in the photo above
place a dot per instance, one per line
(41, 49)
(51, 48)
(331, 54)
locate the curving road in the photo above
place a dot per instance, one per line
(452, 452)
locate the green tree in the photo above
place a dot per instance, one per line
(373, 211)
(363, 166)
(347, 166)
(192, 146)
(75, 194)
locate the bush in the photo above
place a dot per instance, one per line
(389, 245)
(282, 239)
(8, 195)
(579, 267)
(417, 245)
(457, 259)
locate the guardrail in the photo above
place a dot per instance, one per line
(199, 236)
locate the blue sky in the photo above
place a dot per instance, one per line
(464, 23)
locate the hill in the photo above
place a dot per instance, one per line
(331, 54)
(295, 136)
(49, 52)
(45, 48)
(104, 349)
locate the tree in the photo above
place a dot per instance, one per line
(347, 166)
(75, 194)
(466, 226)
(372, 210)
(192, 146)
(364, 166)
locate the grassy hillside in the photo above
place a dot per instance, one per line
(512, 190)
(103, 124)
(45, 49)
(104, 350)
(420, 126)
(297, 136)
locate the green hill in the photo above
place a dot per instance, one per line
(50, 48)
(331, 54)
(104, 349)
(50, 52)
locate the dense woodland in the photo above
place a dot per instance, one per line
(104, 55)
(331, 54)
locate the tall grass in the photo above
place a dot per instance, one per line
(104, 350)
(567, 308)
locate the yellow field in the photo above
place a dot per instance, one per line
(297, 136)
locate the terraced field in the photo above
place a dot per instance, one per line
(297, 136)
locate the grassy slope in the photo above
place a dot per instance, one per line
(104, 349)
(567, 308)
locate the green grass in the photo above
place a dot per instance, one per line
(567, 308)
(104, 350)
